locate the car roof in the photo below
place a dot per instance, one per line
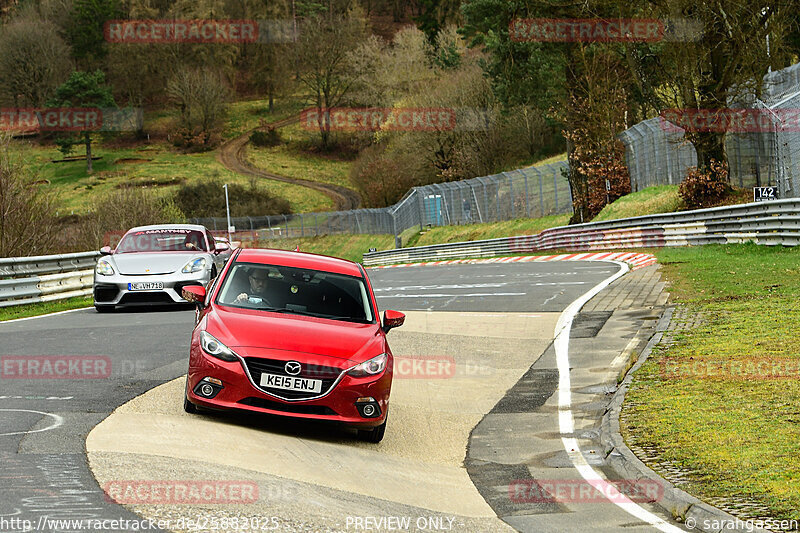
(193, 227)
(299, 260)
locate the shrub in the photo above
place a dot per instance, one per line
(265, 139)
(381, 177)
(705, 187)
(207, 199)
(27, 224)
(195, 140)
(114, 213)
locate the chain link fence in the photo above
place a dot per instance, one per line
(523, 193)
(769, 155)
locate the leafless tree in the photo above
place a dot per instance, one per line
(324, 48)
(201, 96)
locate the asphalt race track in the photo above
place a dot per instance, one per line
(491, 321)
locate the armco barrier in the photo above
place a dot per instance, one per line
(769, 223)
(37, 279)
(25, 280)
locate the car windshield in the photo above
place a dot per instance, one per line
(162, 240)
(296, 291)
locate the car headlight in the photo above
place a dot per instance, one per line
(374, 366)
(195, 265)
(213, 347)
(104, 268)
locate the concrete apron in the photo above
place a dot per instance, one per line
(319, 474)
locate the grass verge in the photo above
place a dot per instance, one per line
(28, 310)
(649, 201)
(703, 403)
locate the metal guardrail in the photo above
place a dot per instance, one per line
(26, 280)
(768, 223)
(44, 278)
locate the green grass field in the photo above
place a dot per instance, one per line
(155, 165)
(291, 160)
(28, 310)
(737, 432)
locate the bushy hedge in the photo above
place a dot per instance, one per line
(207, 199)
(265, 139)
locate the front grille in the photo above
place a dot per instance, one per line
(257, 366)
(105, 293)
(146, 298)
(289, 408)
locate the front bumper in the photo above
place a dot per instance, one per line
(238, 392)
(113, 290)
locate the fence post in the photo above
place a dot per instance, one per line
(511, 194)
(555, 188)
(421, 210)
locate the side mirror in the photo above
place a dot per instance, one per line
(221, 247)
(392, 319)
(195, 294)
(106, 250)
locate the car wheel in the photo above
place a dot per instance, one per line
(104, 308)
(188, 406)
(374, 435)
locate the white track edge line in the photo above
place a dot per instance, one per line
(566, 422)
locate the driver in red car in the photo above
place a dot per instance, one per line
(256, 290)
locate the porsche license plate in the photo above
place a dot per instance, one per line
(274, 381)
(145, 286)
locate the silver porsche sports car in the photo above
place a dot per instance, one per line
(152, 264)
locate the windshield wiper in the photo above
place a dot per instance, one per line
(286, 310)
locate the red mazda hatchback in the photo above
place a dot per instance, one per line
(292, 334)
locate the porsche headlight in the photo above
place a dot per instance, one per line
(213, 347)
(372, 367)
(195, 265)
(104, 268)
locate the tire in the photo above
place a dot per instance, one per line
(104, 308)
(188, 406)
(374, 435)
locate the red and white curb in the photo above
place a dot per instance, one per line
(633, 259)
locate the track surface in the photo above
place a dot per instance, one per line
(233, 155)
(500, 313)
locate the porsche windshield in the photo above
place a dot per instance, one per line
(296, 291)
(162, 240)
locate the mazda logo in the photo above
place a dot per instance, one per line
(292, 368)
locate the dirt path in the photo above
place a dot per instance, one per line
(233, 156)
